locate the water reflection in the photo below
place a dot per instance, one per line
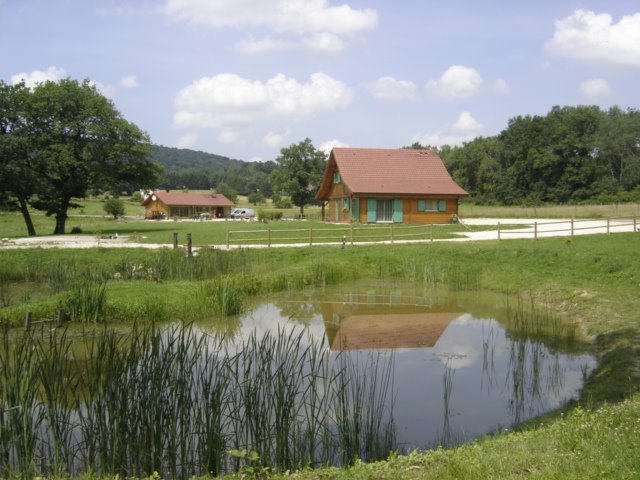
(460, 370)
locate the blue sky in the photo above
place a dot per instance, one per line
(244, 78)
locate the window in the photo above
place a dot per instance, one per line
(432, 205)
(345, 203)
(336, 177)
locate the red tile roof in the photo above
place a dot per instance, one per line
(389, 171)
(191, 199)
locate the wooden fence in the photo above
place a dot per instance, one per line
(570, 228)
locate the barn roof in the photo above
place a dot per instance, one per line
(389, 171)
(190, 199)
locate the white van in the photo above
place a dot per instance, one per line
(242, 213)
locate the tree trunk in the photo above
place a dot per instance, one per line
(302, 210)
(61, 220)
(31, 230)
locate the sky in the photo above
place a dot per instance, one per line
(245, 78)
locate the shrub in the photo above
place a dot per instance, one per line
(114, 206)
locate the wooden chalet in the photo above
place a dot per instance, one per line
(373, 185)
(162, 204)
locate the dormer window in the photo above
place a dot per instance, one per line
(336, 177)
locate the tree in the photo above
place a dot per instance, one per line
(18, 183)
(80, 142)
(114, 206)
(227, 191)
(255, 198)
(299, 173)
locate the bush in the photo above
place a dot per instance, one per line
(114, 206)
(76, 229)
(282, 202)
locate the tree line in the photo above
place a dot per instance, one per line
(570, 155)
(61, 141)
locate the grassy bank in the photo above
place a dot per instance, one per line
(593, 281)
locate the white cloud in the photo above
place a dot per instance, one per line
(464, 129)
(592, 37)
(329, 144)
(313, 23)
(105, 89)
(466, 123)
(594, 88)
(501, 87)
(457, 82)
(388, 88)
(228, 136)
(34, 77)
(319, 42)
(276, 140)
(129, 81)
(227, 99)
(188, 140)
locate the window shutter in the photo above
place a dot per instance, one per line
(422, 205)
(355, 209)
(397, 210)
(442, 205)
(372, 214)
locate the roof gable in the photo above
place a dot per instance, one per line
(389, 172)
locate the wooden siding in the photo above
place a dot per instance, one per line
(156, 207)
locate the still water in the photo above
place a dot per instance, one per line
(463, 365)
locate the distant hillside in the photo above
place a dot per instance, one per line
(184, 168)
(176, 159)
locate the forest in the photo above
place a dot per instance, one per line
(573, 154)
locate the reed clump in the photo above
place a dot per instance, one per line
(176, 400)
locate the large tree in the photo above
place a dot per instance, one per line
(79, 142)
(17, 180)
(299, 172)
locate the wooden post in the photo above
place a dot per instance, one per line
(572, 227)
(60, 318)
(311, 237)
(431, 233)
(392, 233)
(608, 224)
(175, 240)
(268, 237)
(351, 233)
(535, 230)
(27, 321)
(498, 230)
(228, 239)
(189, 245)
(635, 223)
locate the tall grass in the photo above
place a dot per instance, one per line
(177, 401)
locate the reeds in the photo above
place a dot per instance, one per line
(176, 401)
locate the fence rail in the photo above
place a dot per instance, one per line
(392, 233)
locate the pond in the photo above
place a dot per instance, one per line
(463, 364)
(303, 379)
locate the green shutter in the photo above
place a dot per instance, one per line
(355, 209)
(397, 210)
(372, 213)
(442, 205)
(422, 205)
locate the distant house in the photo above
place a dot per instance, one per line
(163, 204)
(372, 185)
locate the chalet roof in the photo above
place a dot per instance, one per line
(389, 171)
(191, 199)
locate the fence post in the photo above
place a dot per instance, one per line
(268, 237)
(392, 233)
(189, 245)
(60, 318)
(175, 240)
(608, 224)
(535, 230)
(351, 233)
(572, 227)
(498, 230)
(635, 223)
(27, 321)
(228, 235)
(311, 237)
(431, 233)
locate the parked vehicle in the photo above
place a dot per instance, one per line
(242, 213)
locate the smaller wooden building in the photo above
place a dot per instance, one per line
(162, 204)
(374, 185)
